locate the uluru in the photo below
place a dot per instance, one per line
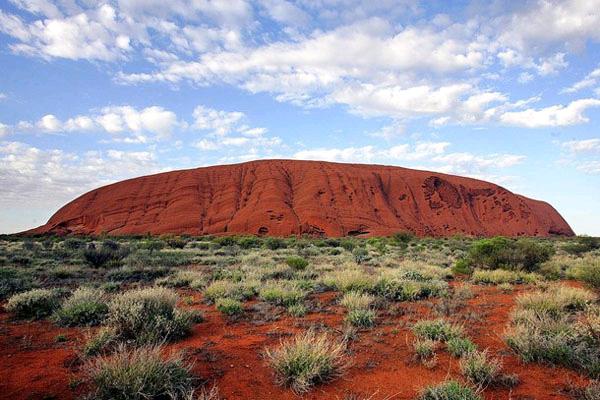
(293, 197)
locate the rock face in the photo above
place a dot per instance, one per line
(286, 197)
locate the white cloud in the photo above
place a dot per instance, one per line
(98, 34)
(116, 120)
(49, 123)
(219, 122)
(582, 146)
(552, 116)
(590, 80)
(4, 129)
(590, 167)
(38, 175)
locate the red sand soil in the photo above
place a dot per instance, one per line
(227, 354)
(290, 197)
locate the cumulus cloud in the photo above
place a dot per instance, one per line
(590, 80)
(135, 123)
(582, 146)
(552, 116)
(34, 175)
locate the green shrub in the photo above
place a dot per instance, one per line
(274, 243)
(193, 279)
(582, 244)
(297, 310)
(360, 255)
(85, 307)
(106, 255)
(13, 281)
(357, 301)
(500, 252)
(589, 272)
(249, 242)
(307, 359)
(479, 368)
(425, 348)
(450, 390)
(229, 306)
(105, 339)
(140, 374)
(148, 316)
(349, 280)
(437, 329)
(281, 293)
(347, 244)
(463, 267)
(226, 288)
(362, 318)
(73, 243)
(225, 241)
(499, 276)
(569, 338)
(296, 263)
(152, 245)
(35, 303)
(459, 346)
(403, 238)
(556, 300)
(176, 242)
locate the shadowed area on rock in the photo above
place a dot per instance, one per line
(291, 197)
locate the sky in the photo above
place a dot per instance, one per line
(93, 92)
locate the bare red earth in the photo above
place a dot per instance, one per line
(288, 197)
(228, 353)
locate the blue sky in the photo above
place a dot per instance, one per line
(92, 92)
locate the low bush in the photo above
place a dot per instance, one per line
(357, 301)
(297, 310)
(463, 267)
(361, 318)
(85, 307)
(281, 293)
(349, 280)
(582, 244)
(504, 253)
(360, 255)
(307, 359)
(449, 390)
(229, 306)
(108, 255)
(35, 303)
(13, 281)
(588, 271)
(296, 263)
(193, 279)
(425, 348)
(459, 346)
(556, 300)
(274, 243)
(437, 329)
(149, 315)
(140, 374)
(499, 276)
(226, 288)
(479, 368)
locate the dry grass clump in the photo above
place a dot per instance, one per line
(283, 293)
(148, 316)
(85, 307)
(499, 276)
(449, 390)
(225, 288)
(556, 299)
(307, 359)
(559, 327)
(357, 300)
(479, 368)
(140, 374)
(35, 303)
(193, 279)
(349, 280)
(229, 306)
(437, 329)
